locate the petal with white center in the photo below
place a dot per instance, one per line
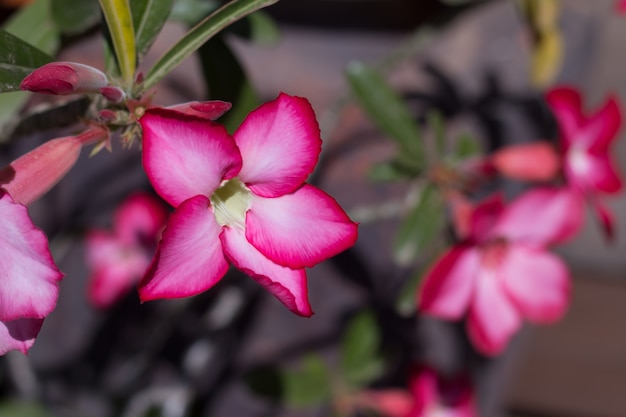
(493, 318)
(189, 259)
(592, 172)
(447, 287)
(280, 144)
(28, 276)
(286, 284)
(185, 156)
(538, 283)
(299, 229)
(566, 104)
(18, 334)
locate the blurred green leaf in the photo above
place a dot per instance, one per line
(466, 146)
(17, 60)
(120, 27)
(406, 304)
(396, 170)
(308, 386)
(149, 16)
(360, 358)
(436, 123)
(423, 224)
(198, 35)
(385, 107)
(227, 81)
(192, 11)
(21, 409)
(46, 37)
(266, 382)
(73, 17)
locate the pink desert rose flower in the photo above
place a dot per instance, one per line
(29, 286)
(536, 161)
(502, 272)
(119, 258)
(241, 200)
(586, 141)
(430, 395)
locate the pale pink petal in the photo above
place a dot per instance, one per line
(280, 144)
(537, 161)
(139, 219)
(189, 258)
(18, 334)
(485, 216)
(29, 284)
(590, 172)
(493, 318)
(299, 229)
(542, 216)
(537, 282)
(448, 286)
(566, 104)
(185, 156)
(288, 285)
(116, 268)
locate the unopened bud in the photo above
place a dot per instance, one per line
(209, 110)
(537, 161)
(64, 78)
(113, 94)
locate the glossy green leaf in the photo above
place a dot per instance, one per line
(308, 386)
(120, 24)
(17, 60)
(385, 107)
(73, 17)
(198, 35)
(360, 358)
(227, 81)
(149, 16)
(422, 225)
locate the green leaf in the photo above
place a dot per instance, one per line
(120, 24)
(437, 126)
(422, 225)
(198, 35)
(386, 109)
(396, 170)
(360, 358)
(22, 409)
(73, 17)
(192, 11)
(227, 81)
(17, 60)
(308, 386)
(466, 146)
(149, 16)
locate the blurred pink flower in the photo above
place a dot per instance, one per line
(430, 395)
(241, 199)
(501, 272)
(620, 7)
(586, 141)
(536, 161)
(119, 258)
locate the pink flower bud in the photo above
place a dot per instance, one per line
(536, 161)
(113, 94)
(65, 78)
(210, 110)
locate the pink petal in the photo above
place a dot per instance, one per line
(537, 161)
(566, 104)
(388, 402)
(280, 144)
(116, 268)
(299, 229)
(602, 127)
(590, 172)
(185, 156)
(541, 216)
(189, 259)
(139, 219)
(209, 110)
(493, 318)
(29, 284)
(18, 334)
(537, 282)
(448, 286)
(288, 285)
(485, 216)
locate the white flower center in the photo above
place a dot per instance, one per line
(230, 203)
(578, 161)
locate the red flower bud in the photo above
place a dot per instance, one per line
(65, 78)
